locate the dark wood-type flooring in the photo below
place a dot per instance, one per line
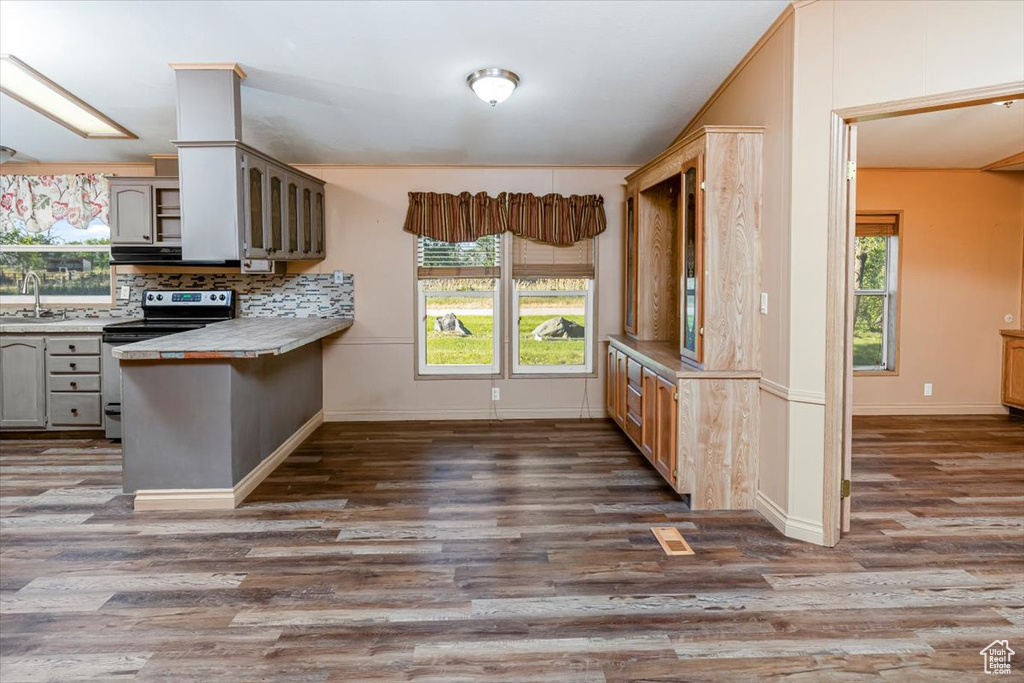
(518, 551)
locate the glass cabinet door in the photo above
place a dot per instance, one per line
(292, 202)
(307, 221)
(277, 211)
(255, 180)
(631, 266)
(318, 222)
(692, 262)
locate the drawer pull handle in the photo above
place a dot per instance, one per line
(74, 385)
(71, 346)
(74, 411)
(74, 365)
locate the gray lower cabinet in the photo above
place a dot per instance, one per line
(23, 380)
(51, 382)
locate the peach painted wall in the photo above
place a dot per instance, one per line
(368, 370)
(960, 244)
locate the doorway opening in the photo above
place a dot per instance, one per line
(871, 233)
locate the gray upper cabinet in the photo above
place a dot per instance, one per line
(22, 382)
(283, 212)
(131, 213)
(255, 202)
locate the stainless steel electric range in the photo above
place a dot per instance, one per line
(164, 312)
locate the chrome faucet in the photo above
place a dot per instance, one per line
(31, 275)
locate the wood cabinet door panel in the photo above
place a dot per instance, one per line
(255, 208)
(621, 385)
(22, 382)
(131, 214)
(1013, 372)
(665, 429)
(610, 384)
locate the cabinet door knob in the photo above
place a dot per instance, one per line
(74, 411)
(145, 237)
(71, 346)
(74, 384)
(74, 365)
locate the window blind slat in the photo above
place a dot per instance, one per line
(537, 259)
(877, 225)
(481, 258)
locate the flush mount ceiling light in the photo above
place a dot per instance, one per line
(493, 85)
(36, 91)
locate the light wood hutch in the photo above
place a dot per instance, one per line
(683, 379)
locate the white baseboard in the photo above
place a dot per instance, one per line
(226, 499)
(791, 527)
(385, 415)
(929, 409)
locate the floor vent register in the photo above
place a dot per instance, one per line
(672, 542)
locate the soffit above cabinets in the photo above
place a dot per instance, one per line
(385, 83)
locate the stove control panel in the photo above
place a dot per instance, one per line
(152, 298)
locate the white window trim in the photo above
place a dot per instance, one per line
(889, 298)
(421, 334)
(588, 339)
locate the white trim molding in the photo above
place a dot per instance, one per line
(595, 413)
(816, 398)
(790, 526)
(222, 498)
(930, 409)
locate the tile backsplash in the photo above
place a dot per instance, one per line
(289, 295)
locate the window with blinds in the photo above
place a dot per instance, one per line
(535, 259)
(458, 305)
(876, 291)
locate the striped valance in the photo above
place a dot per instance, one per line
(462, 217)
(551, 219)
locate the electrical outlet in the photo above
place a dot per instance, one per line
(125, 293)
(495, 394)
(764, 303)
(927, 388)
(339, 277)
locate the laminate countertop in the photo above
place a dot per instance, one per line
(238, 338)
(14, 325)
(1012, 333)
(663, 357)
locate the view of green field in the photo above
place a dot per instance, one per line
(447, 349)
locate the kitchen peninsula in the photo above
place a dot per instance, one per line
(209, 413)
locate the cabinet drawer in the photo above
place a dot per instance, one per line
(88, 365)
(73, 346)
(74, 383)
(75, 409)
(633, 403)
(635, 371)
(633, 429)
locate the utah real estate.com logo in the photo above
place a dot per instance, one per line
(997, 657)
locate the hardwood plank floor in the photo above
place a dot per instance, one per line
(517, 551)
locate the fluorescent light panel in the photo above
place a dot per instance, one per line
(38, 92)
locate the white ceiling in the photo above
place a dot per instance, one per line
(384, 83)
(971, 137)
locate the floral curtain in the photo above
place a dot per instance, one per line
(551, 218)
(40, 201)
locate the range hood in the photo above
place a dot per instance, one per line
(209, 128)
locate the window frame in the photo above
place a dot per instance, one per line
(425, 371)
(589, 347)
(891, 292)
(503, 324)
(67, 301)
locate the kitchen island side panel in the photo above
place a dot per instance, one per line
(176, 418)
(272, 397)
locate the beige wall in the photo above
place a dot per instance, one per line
(368, 370)
(840, 53)
(960, 249)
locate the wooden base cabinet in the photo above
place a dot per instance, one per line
(1013, 368)
(698, 429)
